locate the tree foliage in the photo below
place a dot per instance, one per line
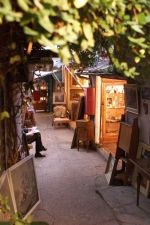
(63, 23)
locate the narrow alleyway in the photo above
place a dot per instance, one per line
(73, 188)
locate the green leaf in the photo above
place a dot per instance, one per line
(137, 28)
(142, 51)
(138, 41)
(7, 4)
(110, 20)
(13, 16)
(137, 59)
(87, 29)
(65, 54)
(23, 5)
(142, 18)
(46, 42)
(148, 19)
(4, 115)
(76, 58)
(84, 44)
(46, 24)
(138, 7)
(80, 3)
(38, 4)
(29, 31)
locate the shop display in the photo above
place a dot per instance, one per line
(113, 106)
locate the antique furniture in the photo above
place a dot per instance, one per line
(127, 146)
(60, 115)
(85, 132)
(41, 97)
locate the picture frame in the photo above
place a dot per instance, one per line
(79, 83)
(109, 171)
(23, 184)
(75, 94)
(124, 138)
(59, 98)
(59, 86)
(143, 152)
(131, 98)
(5, 191)
(145, 93)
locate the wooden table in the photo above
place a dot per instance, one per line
(143, 170)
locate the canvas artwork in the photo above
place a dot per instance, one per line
(131, 98)
(145, 93)
(6, 193)
(24, 186)
(59, 98)
(79, 82)
(142, 153)
(109, 168)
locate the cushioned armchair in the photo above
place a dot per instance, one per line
(60, 115)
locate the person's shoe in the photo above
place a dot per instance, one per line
(43, 148)
(39, 155)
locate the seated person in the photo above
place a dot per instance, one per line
(33, 134)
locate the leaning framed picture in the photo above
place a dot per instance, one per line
(131, 98)
(143, 152)
(23, 184)
(145, 93)
(5, 193)
(110, 168)
(59, 98)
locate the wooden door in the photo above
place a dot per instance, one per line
(113, 107)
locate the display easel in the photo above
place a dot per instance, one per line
(126, 149)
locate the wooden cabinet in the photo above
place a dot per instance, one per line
(85, 132)
(112, 108)
(42, 103)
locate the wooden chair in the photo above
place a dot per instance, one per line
(60, 115)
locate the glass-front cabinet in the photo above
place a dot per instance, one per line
(113, 107)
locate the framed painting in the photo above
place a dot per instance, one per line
(143, 152)
(23, 185)
(59, 98)
(79, 82)
(131, 98)
(75, 94)
(5, 192)
(110, 169)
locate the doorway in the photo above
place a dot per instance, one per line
(113, 107)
